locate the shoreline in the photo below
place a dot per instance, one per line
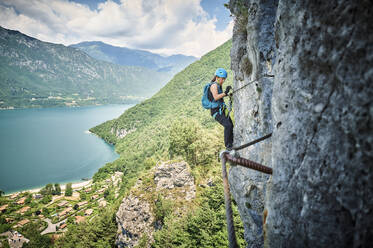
(78, 183)
(73, 106)
(75, 185)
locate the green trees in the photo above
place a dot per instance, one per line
(45, 211)
(100, 232)
(47, 190)
(189, 139)
(31, 231)
(163, 209)
(69, 190)
(51, 189)
(202, 227)
(83, 195)
(57, 189)
(183, 134)
(28, 199)
(46, 199)
(4, 226)
(106, 193)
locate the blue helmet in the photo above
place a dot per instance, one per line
(220, 72)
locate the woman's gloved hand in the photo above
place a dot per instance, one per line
(227, 90)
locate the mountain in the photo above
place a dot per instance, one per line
(133, 57)
(168, 128)
(35, 73)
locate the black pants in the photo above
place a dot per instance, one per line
(227, 123)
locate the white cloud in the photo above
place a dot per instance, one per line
(164, 26)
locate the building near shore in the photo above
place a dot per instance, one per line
(88, 212)
(66, 211)
(82, 203)
(79, 219)
(21, 201)
(14, 196)
(15, 239)
(24, 210)
(9, 220)
(101, 191)
(63, 226)
(95, 197)
(62, 203)
(102, 203)
(21, 223)
(37, 196)
(3, 208)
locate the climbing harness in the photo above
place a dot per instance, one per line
(222, 109)
(225, 156)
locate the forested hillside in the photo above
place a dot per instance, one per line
(179, 100)
(172, 125)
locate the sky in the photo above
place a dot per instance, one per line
(189, 27)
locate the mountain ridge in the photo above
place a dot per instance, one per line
(127, 56)
(34, 73)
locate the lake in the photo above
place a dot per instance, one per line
(52, 145)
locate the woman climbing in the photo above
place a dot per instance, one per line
(220, 113)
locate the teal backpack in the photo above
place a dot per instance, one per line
(206, 103)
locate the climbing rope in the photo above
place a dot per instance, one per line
(225, 156)
(228, 206)
(251, 82)
(231, 94)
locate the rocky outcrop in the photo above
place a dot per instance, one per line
(177, 175)
(135, 216)
(134, 219)
(121, 133)
(319, 108)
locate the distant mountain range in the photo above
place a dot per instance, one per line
(41, 74)
(133, 57)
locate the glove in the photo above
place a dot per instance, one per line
(227, 90)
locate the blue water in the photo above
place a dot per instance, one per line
(52, 145)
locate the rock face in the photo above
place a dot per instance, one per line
(121, 133)
(177, 175)
(319, 107)
(135, 216)
(134, 219)
(252, 56)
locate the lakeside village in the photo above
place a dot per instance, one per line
(52, 210)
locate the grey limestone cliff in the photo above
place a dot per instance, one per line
(252, 56)
(319, 107)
